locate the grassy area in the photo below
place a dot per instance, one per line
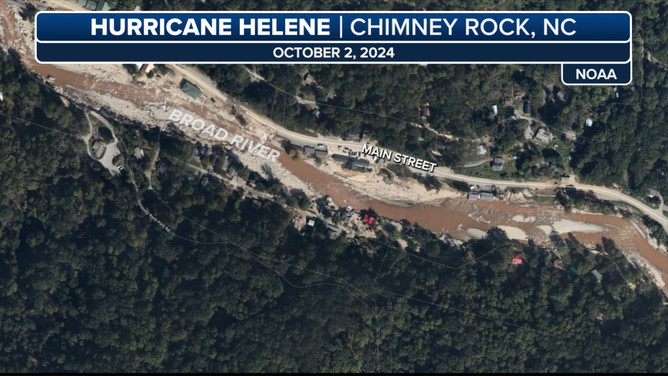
(485, 171)
(544, 199)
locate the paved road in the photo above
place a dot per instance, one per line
(210, 89)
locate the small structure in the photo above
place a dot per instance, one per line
(481, 149)
(1, 97)
(495, 110)
(355, 163)
(497, 164)
(138, 153)
(425, 112)
(321, 153)
(526, 107)
(517, 259)
(372, 221)
(652, 193)
(98, 149)
(559, 264)
(146, 68)
(341, 158)
(190, 89)
(333, 232)
(473, 196)
(487, 196)
(309, 151)
(308, 78)
(310, 223)
(565, 178)
(350, 136)
(543, 135)
(168, 71)
(94, 5)
(596, 274)
(589, 122)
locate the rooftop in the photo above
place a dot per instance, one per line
(190, 89)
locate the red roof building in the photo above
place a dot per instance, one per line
(366, 218)
(517, 259)
(372, 221)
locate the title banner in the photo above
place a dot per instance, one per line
(573, 38)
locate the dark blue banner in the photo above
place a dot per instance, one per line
(581, 41)
(334, 26)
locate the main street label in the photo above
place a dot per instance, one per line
(398, 158)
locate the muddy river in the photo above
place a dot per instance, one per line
(454, 216)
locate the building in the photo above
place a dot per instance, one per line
(487, 196)
(309, 151)
(517, 259)
(167, 71)
(482, 150)
(98, 149)
(341, 158)
(94, 5)
(146, 68)
(596, 274)
(497, 164)
(589, 122)
(190, 89)
(350, 136)
(309, 79)
(425, 112)
(495, 110)
(652, 193)
(355, 163)
(138, 153)
(526, 107)
(473, 196)
(559, 264)
(543, 135)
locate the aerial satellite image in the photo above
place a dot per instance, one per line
(358, 186)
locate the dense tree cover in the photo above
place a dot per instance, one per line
(91, 283)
